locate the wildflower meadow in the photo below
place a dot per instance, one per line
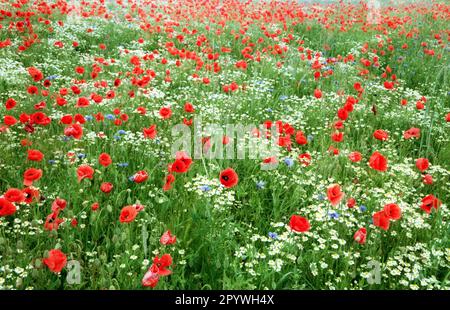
(224, 144)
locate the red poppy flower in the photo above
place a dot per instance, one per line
(58, 205)
(378, 162)
(381, 219)
(167, 238)
(165, 112)
(342, 114)
(162, 264)
(95, 206)
(412, 133)
(128, 214)
(150, 132)
(381, 135)
(178, 166)
(427, 179)
(317, 93)
(55, 261)
(334, 194)
(85, 172)
(428, 202)
(355, 156)
(140, 176)
(82, 102)
(10, 104)
(422, 164)
(393, 211)
(304, 159)
(228, 178)
(30, 194)
(189, 108)
(106, 187)
(337, 136)
(169, 180)
(104, 159)
(9, 120)
(299, 223)
(31, 175)
(300, 138)
(74, 130)
(35, 73)
(7, 208)
(351, 202)
(151, 277)
(14, 195)
(360, 235)
(35, 155)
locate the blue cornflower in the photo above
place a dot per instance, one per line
(273, 235)
(89, 118)
(205, 188)
(321, 197)
(122, 165)
(310, 138)
(52, 161)
(81, 156)
(117, 137)
(333, 215)
(131, 179)
(269, 110)
(121, 132)
(362, 208)
(283, 97)
(289, 162)
(110, 117)
(52, 77)
(260, 184)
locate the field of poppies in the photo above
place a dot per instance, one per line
(346, 104)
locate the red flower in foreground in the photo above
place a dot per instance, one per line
(334, 194)
(378, 162)
(317, 93)
(31, 175)
(228, 178)
(150, 132)
(169, 180)
(58, 205)
(7, 208)
(106, 187)
(104, 160)
(140, 176)
(35, 155)
(381, 219)
(165, 112)
(35, 73)
(74, 130)
(167, 238)
(14, 195)
(381, 135)
(128, 214)
(55, 261)
(393, 211)
(157, 270)
(299, 223)
(422, 164)
(351, 202)
(427, 179)
(85, 172)
(360, 235)
(428, 202)
(412, 133)
(355, 156)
